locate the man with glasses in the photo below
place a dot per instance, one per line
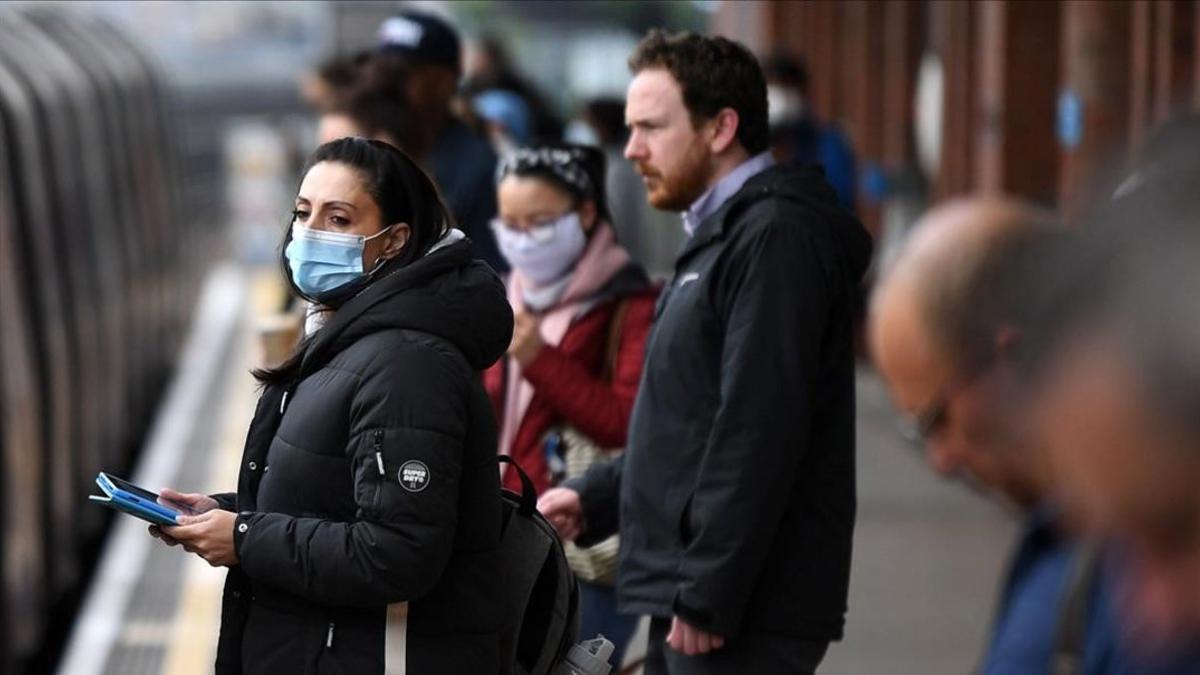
(942, 357)
(947, 321)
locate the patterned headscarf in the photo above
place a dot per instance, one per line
(565, 164)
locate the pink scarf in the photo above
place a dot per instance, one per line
(601, 261)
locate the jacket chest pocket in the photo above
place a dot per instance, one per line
(686, 323)
(684, 286)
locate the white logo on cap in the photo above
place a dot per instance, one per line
(413, 476)
(401, 31)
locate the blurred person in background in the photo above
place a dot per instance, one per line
(1117, 369)
(736, 491)
(369, 474)
(373, 107)
(583, 309)
(489, 67)
(342, 120)
(327, 90)
(325, 84)
(601, 122)
(796, 133)
(947, 321)
(424, 52)
(506, 118)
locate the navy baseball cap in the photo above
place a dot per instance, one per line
(422, 39)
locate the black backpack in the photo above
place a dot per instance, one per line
(540, 620)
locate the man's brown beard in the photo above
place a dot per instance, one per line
(681, 191)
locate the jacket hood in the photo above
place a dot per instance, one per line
(807, 185)
(447, 294)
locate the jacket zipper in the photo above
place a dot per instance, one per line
(379, 451)
(329, 637)
(287, 393)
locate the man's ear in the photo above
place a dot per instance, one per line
(397, 237)
(724, 130)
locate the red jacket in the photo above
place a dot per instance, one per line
(569, 386)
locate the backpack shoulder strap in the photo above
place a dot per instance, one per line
(612, 345)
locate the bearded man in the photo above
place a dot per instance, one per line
(736, 494)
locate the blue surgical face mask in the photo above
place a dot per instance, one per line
(322, 261)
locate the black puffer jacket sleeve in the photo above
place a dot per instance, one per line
(408, 427)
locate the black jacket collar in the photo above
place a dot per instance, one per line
(798, 183)
(715, 225)
(340, 331)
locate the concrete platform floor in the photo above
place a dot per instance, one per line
(928, 556)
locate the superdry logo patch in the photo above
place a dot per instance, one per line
(413, 476)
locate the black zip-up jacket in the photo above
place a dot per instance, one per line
(376, 485)
(736, 491)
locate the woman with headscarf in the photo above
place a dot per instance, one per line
(583, 310)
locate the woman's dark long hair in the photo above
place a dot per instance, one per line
(403, 192)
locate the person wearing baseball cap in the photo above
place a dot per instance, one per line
(422, 39)
(426, 51)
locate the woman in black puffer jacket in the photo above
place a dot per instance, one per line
(369, 476)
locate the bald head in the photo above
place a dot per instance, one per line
(943, 307)
(955, 281)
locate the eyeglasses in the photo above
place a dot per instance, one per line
(541, 231)
(922, 425)
(928, 422)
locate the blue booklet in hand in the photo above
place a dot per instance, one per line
(136, 501)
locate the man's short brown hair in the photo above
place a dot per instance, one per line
(714, 73)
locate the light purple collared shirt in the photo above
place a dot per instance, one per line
(715, 196)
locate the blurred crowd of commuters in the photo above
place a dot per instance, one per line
(457, 108)
(1056, 368)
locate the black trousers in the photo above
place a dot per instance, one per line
(752, 654)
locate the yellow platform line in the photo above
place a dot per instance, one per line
(193, 637)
